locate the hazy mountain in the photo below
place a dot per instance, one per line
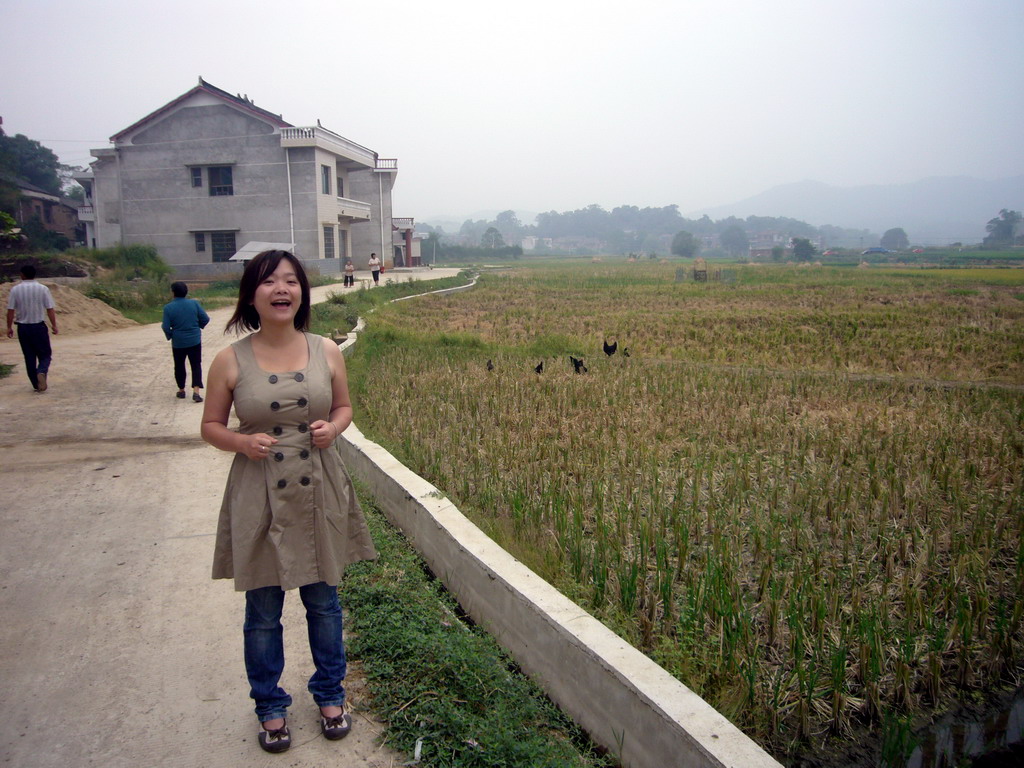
(933, 211)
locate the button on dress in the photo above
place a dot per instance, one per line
(291, 518)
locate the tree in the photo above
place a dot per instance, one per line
(803, 249)
(686, 245)
(508, 224)
(1002, 229)
(895, 239)
(492, 239)
(734, 240)
(29, 160)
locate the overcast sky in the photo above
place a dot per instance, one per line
(544, 105)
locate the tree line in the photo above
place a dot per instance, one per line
(631, 229)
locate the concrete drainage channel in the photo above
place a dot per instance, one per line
(626, 702)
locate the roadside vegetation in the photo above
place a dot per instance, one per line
(450, 695)
(801, 493)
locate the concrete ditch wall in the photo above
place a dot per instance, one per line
(626, 702)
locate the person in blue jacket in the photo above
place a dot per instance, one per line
(184, 320)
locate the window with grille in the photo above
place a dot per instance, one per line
(328, 241)
(220, 180)
(200, 242)
(197, 177)
(325, 179)
(222, 245)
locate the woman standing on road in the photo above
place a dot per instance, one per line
(289, 518)
(374, 265)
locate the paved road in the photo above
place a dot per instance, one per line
(117, 647)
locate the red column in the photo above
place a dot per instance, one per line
(408, 249)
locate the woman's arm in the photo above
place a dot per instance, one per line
(220, 388)
(325, 432)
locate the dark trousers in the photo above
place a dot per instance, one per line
(34, 339)
(349, 280)
(195, 361)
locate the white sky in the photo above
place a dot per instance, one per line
(544, 105)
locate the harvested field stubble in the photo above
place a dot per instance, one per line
(805, 548)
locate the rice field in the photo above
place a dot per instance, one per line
(801, 493)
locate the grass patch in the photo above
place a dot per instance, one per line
(436, 678)
(5, 370)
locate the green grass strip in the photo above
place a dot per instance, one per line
(436, 678)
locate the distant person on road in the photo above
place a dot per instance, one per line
(350, 274)
(28, 304)
(184, 320)
(374, 265)
(289, 518)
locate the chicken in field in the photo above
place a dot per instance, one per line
(577, 365)
(609, 349)
(540, 367)
(490, 366)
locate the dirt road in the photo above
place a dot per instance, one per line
(118, 648)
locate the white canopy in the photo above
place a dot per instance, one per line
(254, 247)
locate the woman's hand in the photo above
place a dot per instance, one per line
(324, 433)
(257, 447)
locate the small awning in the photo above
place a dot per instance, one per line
(254, 247)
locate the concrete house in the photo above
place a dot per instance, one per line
(210, 172)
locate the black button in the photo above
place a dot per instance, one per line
(303, 454)
(278, 430)
(273, 378)
(299, 377)
(304, 481)
(275, 405)
(302, 402)
(303, 427)
(278, 456)
(282, 483)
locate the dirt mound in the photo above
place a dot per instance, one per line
(77, 313)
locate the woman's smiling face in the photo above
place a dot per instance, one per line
(279, 296)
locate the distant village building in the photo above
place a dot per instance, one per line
(209, 172)
(54, 213)
(405, 242)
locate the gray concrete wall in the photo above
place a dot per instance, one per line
(143, 192)
(162, 207)
(625, 701)
(366, 235)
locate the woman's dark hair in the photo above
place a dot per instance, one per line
(179, 289)
(262, 266)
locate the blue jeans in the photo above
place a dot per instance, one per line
(264, 647)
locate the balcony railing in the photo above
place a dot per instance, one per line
(403, 223)
(318, 136)
(86, 213)
(385, 164)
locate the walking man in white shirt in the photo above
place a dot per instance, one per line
(30, 302)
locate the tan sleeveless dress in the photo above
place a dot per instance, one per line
(292, 518)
